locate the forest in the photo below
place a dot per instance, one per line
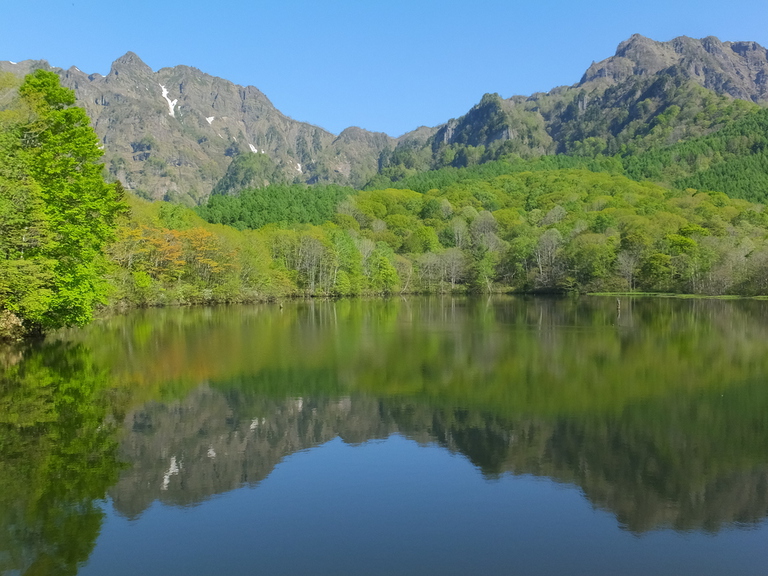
(548, 230)
(663, 218)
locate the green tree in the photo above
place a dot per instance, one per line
(25, 272)
(383, 275)
(53, 171)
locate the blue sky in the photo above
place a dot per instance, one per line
(386, 66)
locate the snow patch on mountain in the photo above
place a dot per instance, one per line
(171, 103)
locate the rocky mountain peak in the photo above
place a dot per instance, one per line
(739, 69)
(635, 43)
(172, 134)
(129, 64)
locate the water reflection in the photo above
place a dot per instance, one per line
(58, 456)
(542, 357)
(651, 467)
(656, 414)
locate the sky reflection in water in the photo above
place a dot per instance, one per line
(394, 507)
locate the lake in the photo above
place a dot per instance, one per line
(503, 435)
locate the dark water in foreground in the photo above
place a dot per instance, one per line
(419, 436)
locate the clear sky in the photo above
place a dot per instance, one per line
(388, 66)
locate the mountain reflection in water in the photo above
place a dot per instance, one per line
(635, 467)
(658, 414)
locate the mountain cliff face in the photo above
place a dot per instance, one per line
(739, 69)
(172, 133)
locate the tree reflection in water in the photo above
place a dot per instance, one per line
(58, 457)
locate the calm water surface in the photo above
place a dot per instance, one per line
(407, 436)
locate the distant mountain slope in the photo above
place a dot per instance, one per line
(172, 133)
(733, 160)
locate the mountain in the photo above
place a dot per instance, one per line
(649, 94)
(172, 134)
(739, 69)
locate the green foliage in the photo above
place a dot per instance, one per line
(58, 214)
(573, 229)
(382, 274)
(246, 171)
(26, 272)
(437, 179)
(498, 226)
(286, 205)
(733, 160)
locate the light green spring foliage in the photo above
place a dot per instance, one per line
(26, 272)
(570, 229)
(56, 210)
(481, 231)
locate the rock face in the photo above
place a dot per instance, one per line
(172, 133)
(739, 69)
